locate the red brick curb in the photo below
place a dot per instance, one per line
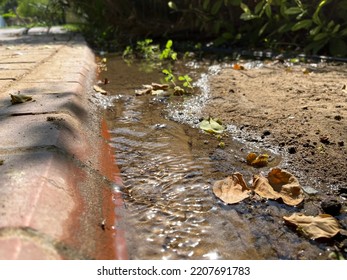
(58, 197)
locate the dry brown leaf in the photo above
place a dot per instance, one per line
(279, 184)
(100, 90)
(287, 185)
(263, 188)
(232, 189)
(257, 161)
(323, 225)
(156, 86)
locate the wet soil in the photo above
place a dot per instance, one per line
(300, 111)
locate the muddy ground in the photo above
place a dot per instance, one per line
(298, 111)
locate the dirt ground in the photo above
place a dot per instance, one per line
(300, 111)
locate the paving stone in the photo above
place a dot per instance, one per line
(31, 131)
(16, 248)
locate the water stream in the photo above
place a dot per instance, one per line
(171, 211)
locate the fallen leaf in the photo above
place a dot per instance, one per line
(323, 225)
(179, 91)
(279, 184)
(212, 126)
(287, 185)
(20, 98)
(237, 66)
(257, 161)
(232, 189)
(263, 188)
(156, 86)
(100, 90)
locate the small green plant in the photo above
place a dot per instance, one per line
(147, 50)
(186, 81)
(178, 90)
(168, 52)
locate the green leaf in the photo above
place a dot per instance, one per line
(314, 31)
(246, 16)
(320, 36)
(259, 7)
(172, 5)
(261, 31)
(216, 7)
(338, 47)
(303, 24)
(211, 126)
(245, 8)
(293, 11)
(205, 4)
(169, 44)
(268, 10)
(336, 28)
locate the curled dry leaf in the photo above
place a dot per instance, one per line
(287, 185)
(321, 226)
(20, 98)
(263, 188)
(160, 86)
(232, 189)
(152, 89)
(257, 161)
(279, 184)
(99, 89)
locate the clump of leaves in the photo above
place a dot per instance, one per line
(279, 184)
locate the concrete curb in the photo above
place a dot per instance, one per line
(58, 197)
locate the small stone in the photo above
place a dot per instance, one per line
(266, 132)
(292, 150)
(324, 139)
(341, 143)
(331, 206)
(338, 118)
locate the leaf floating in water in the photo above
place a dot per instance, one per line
(100, 90)
(20, 98)
(257, 161)
(321, 226)
(232, 189)
(279, 184)
(212, 126)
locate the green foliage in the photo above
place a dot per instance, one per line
(42, 12)
(317, 26)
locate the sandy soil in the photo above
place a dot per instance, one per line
(300, 110)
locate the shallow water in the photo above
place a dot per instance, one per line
(171, 212)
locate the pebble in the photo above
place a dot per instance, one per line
(331, 206)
